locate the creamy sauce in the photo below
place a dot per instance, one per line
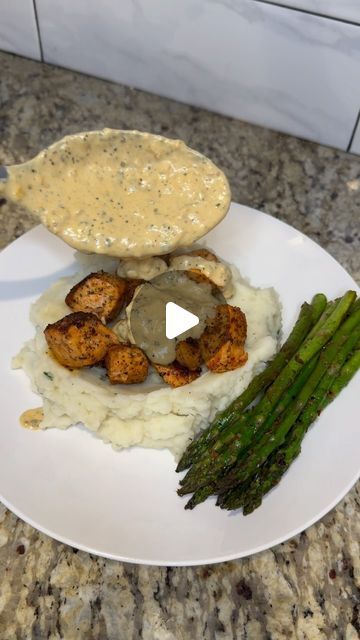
(146, 269)
(217, 272)
(31, 418)
(147, 312)
(121, 193)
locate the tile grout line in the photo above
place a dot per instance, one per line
(281, 5)
(357, 121)
(38, 31)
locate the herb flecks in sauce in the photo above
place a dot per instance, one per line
(122, 193)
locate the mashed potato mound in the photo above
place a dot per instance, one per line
(151, 414)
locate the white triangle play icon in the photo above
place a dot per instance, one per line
(178, 320)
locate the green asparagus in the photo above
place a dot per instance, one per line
(198, 475)
(275, 437)
(244, 454)
(347, 372)
(249, 495)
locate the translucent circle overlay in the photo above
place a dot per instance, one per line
(147, 316)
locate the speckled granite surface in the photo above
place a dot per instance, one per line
(307, 588)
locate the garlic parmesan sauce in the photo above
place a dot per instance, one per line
(121, 193)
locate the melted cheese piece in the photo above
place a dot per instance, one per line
(122, 193)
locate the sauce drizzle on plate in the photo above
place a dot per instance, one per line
(31, 418)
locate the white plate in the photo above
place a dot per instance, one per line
(123, 505)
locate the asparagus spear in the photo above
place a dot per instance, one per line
(308, 314)
(275, 437)
(200, 495)
(198, 475)
(320, 319)
(318, 305)
(347, 372)
(250, 494)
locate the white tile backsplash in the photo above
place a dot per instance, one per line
(287, 70)
(18, 32)
(341, 9)
(355, 146)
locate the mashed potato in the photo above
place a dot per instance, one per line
(150, 414)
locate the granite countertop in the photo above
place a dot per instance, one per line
(307, 588)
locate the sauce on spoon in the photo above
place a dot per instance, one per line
(121, 193)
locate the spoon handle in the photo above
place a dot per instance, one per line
(3, 173)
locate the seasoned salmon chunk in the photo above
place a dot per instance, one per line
(222, 342)
(131, 285)
(126, 364)
(101, 293)
(79, 340)
(175, 375)
(188, 353)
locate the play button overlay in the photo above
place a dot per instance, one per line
(173, 306)
(178, 320)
